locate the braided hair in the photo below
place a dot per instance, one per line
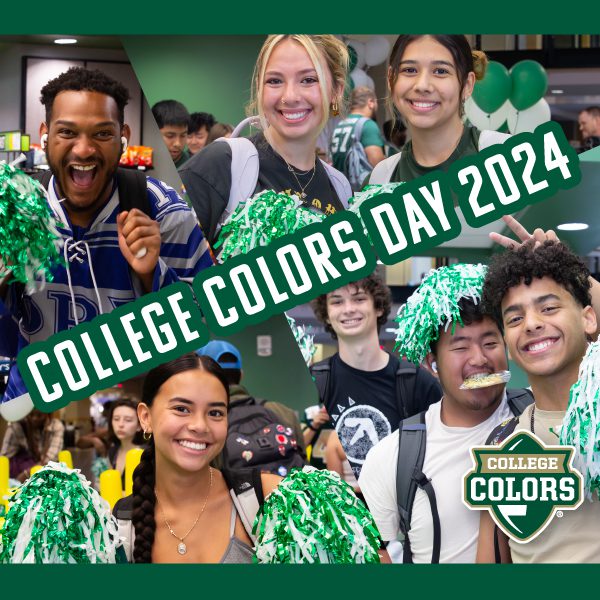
(144, 476)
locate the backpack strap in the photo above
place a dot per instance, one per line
(518, 400)
(123, 511)
(244, 174)
(133, 190)
(132, 186)
(409, 476)
(383, 171)
(43, 177)
(340, 184)
(502, 431)
(488, 138)
(247, 495)
(406, 378)
(358, 129)
(321, 372)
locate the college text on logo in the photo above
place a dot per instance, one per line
(523, 483)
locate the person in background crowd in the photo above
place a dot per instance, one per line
(219, 130)
(589, 126)
(35, 440)
(198, 131)
(172, 119)
(358, 132)
(124, 434)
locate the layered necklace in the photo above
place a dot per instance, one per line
(181, 547)
(302, 174)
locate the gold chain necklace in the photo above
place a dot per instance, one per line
(181, 547)
(293, 172)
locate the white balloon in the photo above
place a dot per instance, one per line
(483, 120)
(377, 50)
(17, 408)
(520, 121)
(360, 50)
(360, 78)
(370, 83)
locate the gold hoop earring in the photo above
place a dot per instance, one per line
(335, 109)
(147, 435)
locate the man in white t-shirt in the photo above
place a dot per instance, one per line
(456, 341)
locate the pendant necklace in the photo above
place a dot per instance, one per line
(181, 547)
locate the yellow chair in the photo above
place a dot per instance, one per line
(4, 471)
(111, 488)
(64, 456)
(132, 460)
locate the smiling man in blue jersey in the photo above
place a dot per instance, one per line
(124, 234)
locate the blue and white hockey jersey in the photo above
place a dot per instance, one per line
(97, 278)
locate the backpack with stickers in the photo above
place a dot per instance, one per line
(257, 438)
(409, 471)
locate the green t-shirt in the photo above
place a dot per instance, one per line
(341, 138)
(408, 168)
(185, 155)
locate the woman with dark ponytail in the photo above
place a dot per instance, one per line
(429, 79)
(181, 509)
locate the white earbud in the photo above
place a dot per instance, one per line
(44, 141)
(123, 144)
(434, 366)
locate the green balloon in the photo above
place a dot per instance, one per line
(494, 89)
(353, 58)
(529, 84)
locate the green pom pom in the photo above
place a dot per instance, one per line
(315, 517)
(581, 425)
(29, 240)
(435, 304)
(260, 220)
(57, 517)
(369, 192)
(304, 340)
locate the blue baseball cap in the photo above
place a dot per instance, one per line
(217, 348)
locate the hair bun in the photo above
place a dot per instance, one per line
(480, 62)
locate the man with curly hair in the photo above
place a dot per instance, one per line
(365, 390)
(124, 234)
(539, 294)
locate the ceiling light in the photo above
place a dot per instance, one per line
(573, 226)
(65, 41)
(390, 330)
(558, 91)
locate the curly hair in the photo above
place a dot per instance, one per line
(374, 286)
(514, 267)
(144, 476)
(78, 79)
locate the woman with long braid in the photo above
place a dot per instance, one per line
(181, 509)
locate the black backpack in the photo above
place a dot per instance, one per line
(406, 378)
(131, 184)
(257, 438)
(409, 471)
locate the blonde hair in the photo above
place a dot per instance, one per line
(325, 52)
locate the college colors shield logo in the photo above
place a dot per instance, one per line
(523, 483)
